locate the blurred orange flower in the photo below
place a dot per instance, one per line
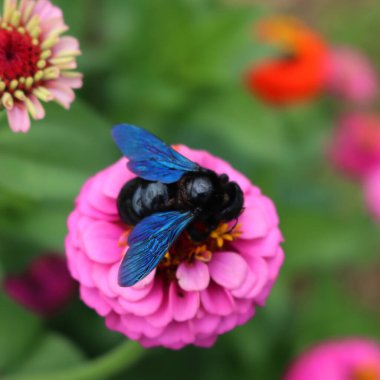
(299, 72)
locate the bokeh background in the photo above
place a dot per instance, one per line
(176, 68)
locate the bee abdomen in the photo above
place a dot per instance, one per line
(140, 198)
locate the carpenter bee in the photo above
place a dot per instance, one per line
(169, 195)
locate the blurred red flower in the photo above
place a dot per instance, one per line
(298, 72)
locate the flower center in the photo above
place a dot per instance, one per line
(25, 61)
(186, 250)
(366, 372)
(18, 55)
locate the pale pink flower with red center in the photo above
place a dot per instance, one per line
(355, 145)
(197, 292)
(44, 287)
(351, 75)
(348, 359)
(372, 192)
(36, 62)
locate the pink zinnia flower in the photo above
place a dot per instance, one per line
(198, 291)
(355, 146)
(372, 192)
(350, 359)
(351, 75)
(45, 287)
(35, 61)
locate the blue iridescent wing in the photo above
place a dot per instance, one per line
(149, 157)
(148, 243)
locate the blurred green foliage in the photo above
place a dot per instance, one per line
(176, 67)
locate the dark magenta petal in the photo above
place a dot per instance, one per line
(44, 288)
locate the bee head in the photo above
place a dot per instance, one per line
(202, 190)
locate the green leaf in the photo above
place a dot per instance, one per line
(328, 312)
(52, 353)
(54, 158)
(42, 173)
(19, 331)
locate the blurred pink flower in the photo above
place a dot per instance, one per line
(351, 75)
(197, 292)
(35, 61)
(355, 145)
(372, 192)
(45, 287)
(350, 359)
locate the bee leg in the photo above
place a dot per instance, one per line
(196, 234)
(224, 179)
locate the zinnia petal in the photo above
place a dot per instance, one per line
(18, 118)
(228, 269)
(194, 276)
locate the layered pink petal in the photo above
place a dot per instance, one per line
(216, 300)
(62, 94)
(228, 269)
(101, 242)
(18, 118)
(351, 75)
(194, 276)
(338, 360)
(183, 304)
(355, 145)
(372, 193)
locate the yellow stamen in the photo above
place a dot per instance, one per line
(8, 10)
(7, 100)
(32, 23)
(53, 38)
(15, 21)
(61, 60)
(13, 85)
(123, 240)
(69, 53)
(48, 43)
(51, 73)
(71, 74)
(35, 32)
(18, 94)
(222, 234)
(38, 75)
(45, 54)
(27, 11)
(31, 107)
(41, 63)
(29, 82)
(202, 253)
(43, 94)
(2, 86)
(66, 66)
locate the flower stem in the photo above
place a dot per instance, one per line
(101, 368)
